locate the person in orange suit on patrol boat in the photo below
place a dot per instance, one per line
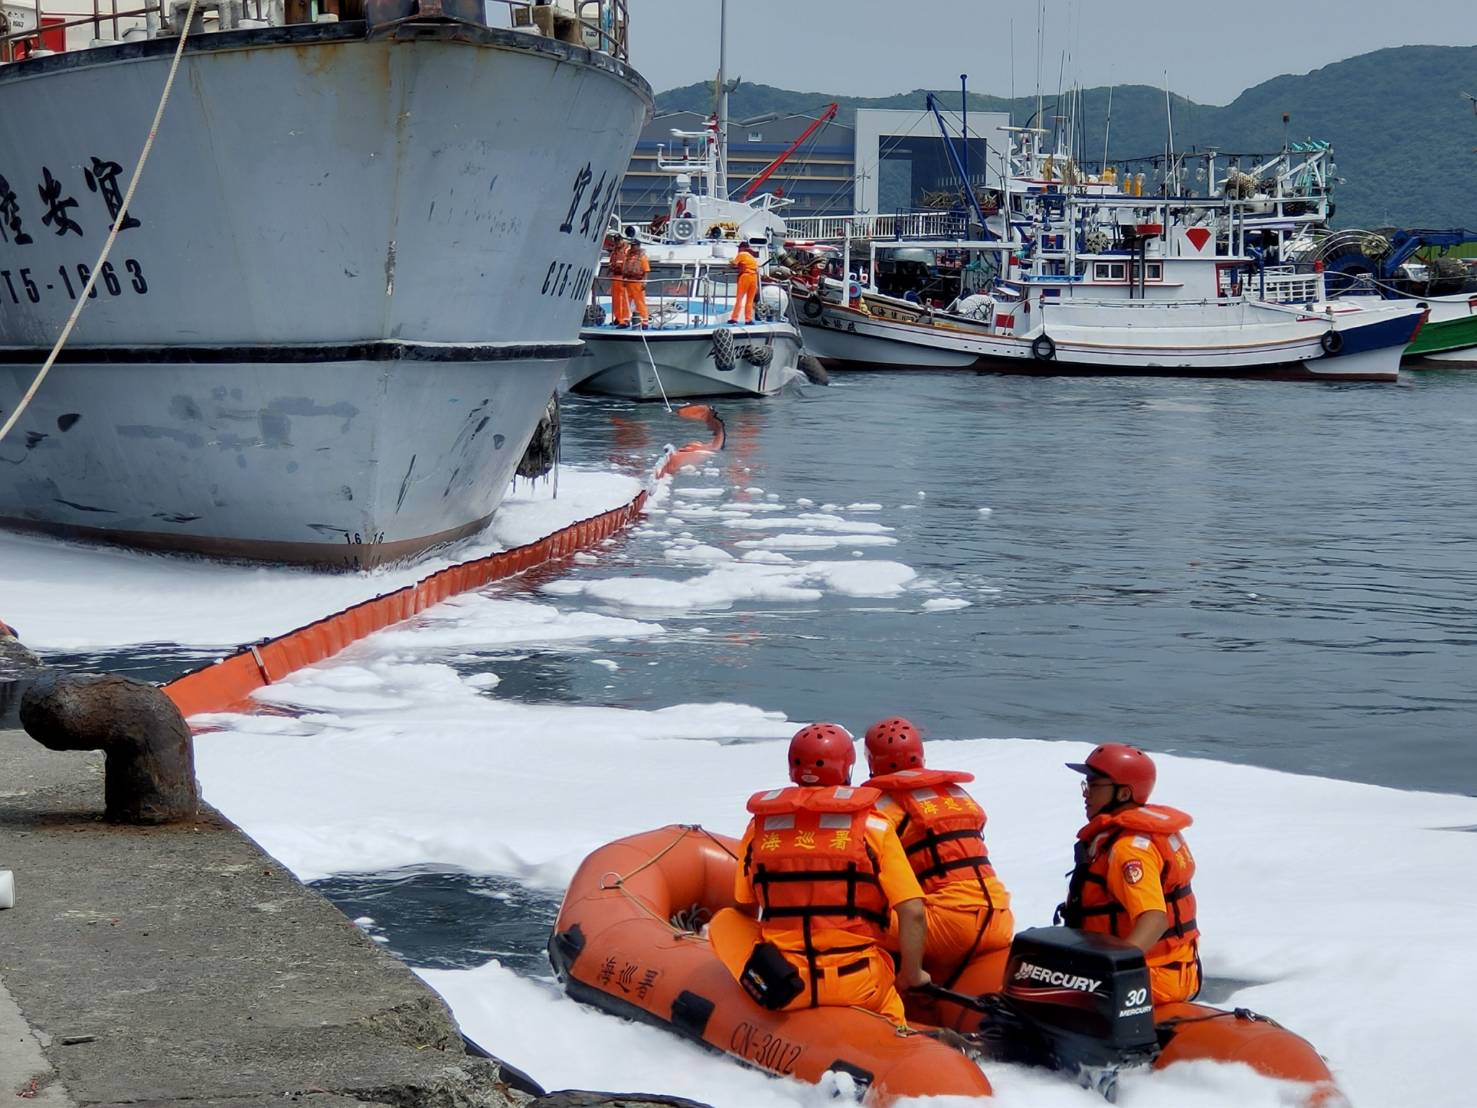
(635, 267)
(941, 828)
(746, 261)
(615, 265)
(1133, 870)
(826, 873)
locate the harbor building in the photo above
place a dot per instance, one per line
(885, 161)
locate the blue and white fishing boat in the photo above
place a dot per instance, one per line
(1096, 277)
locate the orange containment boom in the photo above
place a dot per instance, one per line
(615, 946)
(229, 683)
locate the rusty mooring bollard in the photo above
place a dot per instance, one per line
(18, 667)
(150, 776)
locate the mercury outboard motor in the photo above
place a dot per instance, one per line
(1074, 1001)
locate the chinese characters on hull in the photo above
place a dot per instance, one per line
(57, 202)
(59, 211)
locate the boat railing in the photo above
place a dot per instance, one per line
(1140, 304)
(37, 28)
(1287, 284)
(901, 225)
(691, 298)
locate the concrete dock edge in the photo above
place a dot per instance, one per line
(148, 966)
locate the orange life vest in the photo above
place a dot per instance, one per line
(616, 264)
(1091, 907)
(634, 265)
(942, 828)
(809, 860)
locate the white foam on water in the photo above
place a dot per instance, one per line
(812, 521)
(70, 596)
(788, 541)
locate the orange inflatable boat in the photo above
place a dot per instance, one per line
(629, 940)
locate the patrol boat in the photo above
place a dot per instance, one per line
(692, 347)
(347, 285)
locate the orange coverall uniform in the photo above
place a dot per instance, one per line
(635, 267)
(1134, 861)
(748, 287)
(843, 961)
(941, 828)
(615, 265)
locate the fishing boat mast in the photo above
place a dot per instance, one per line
(720, 179)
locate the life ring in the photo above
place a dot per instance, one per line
(813, 306)
(1043, 349)
(853, 291)
(1331, 341)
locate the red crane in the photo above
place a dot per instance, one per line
(764, 174)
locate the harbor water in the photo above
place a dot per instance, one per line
(1275, 575)
(1250, 572)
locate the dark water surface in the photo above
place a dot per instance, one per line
(1272, 573)
(437, 919)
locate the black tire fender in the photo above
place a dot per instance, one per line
(725, 352)
(813, 306)
(1332, 342)
(1043, 348)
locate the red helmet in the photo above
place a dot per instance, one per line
(893, 744)
(822, 754)
(1123, 765)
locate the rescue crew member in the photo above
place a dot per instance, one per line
(941, 828)
(826, 872)
(1133, 870)
(615, 265)
(746, 261)
(635, 267)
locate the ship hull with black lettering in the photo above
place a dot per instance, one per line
(350, 279)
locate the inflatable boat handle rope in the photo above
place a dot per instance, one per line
(1239, 1013)
(617, 881)
(91, 282)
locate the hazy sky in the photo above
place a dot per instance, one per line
(1211, 51)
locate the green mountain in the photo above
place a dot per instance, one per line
(1403, 133)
